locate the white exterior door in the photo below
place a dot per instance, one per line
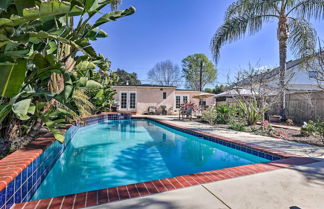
(180, 99)
(127, 100)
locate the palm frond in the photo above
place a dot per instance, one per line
(302, 37)
(68, 110)
(82, 102)
(252, 7)
(308, 9)
(234, 29)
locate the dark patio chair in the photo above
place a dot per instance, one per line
(186, 112)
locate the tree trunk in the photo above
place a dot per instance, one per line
(282, 77)
(282, 37)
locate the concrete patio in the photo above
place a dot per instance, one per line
(299, 187)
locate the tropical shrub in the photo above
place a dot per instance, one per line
(50, 74)
(313, 128)
(249, 112)
(225, 114)
(308, 128)
(320, 130)
(237, 126)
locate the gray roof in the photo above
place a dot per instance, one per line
(146, 85)
(270, 73)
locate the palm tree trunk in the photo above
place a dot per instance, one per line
(282, 37)
(282, 76)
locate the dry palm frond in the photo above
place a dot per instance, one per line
(67, 109)
(82, 102)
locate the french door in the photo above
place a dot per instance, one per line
(180, 99)
(127, 100)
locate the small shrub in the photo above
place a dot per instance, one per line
(236, 126)
(249, 112)
(253, 129)
(265, 124)
(308, 128)
(319, 130)
(224, 114)
(209, 115)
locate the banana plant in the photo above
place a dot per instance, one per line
(39, 45)
(34, 24)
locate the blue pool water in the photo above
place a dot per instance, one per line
(116, 153)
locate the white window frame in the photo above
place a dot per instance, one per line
(127, 100)
(181, 100)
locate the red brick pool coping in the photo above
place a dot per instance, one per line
(13, 164)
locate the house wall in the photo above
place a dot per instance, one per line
(297, 77)
(153, 96)
(149, 96)
(209, 101)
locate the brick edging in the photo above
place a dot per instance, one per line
(22, 171)
(98, 197)
(12, 165)
(93, 198)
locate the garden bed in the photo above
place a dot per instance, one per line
(289, 134)
(294, 135)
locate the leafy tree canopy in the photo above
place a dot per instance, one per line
(126, 78)
(191, 71)
(217, 90)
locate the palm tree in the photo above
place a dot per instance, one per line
(248, 16)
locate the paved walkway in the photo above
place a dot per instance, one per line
(270, 142)
(300, 187)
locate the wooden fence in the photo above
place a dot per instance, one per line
(304, 106)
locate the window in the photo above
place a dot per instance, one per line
(181, 99)
(202, 103)
(132, 103)
(164, 95)
(178, 101)
(312, 74)
(185, 99)
(123, 100)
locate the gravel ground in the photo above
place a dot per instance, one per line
(294, 135)
(290, 135)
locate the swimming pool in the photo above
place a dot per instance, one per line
(122, 152)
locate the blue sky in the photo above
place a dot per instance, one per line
(174, 29)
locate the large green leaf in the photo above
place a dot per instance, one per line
(4, 4)
(88, 50)
(47, 8)
(22, 108)
(68, 89)
(83, 81)
(4, 111)
(23, 4)
(91, 84)
(12, 77)
(112, 16)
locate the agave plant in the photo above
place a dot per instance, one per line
(250, 112)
